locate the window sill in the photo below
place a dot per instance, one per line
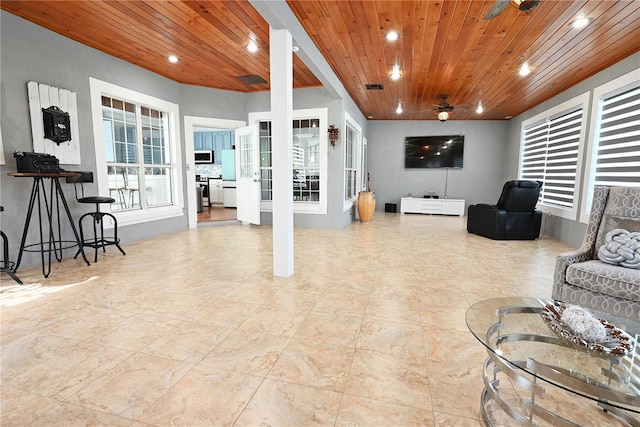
(141, 216)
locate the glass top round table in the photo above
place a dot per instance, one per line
(522, 347)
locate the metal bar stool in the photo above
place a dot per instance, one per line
(6, 266)
(97, 217)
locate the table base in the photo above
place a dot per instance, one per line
(500, 410)
(50, 235)
(526, 408)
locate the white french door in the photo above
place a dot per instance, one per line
(248, 174)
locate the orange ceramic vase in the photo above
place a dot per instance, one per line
(366, 205)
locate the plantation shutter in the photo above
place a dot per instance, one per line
(550, 154)
(618, 154)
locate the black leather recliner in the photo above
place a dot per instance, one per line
(514, 217)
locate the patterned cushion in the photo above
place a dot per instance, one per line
(622, 211)
(606, 279)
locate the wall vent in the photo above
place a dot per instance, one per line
(374, 86)
(252, 80)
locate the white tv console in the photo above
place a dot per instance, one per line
(432, 206)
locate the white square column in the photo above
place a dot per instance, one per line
(281, 58)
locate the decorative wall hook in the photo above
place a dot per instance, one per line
(333, 135)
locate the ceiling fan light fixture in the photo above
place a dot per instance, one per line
(443, 116)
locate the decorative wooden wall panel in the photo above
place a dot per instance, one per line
(43, 96)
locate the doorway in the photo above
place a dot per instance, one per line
(207, 188)
(215, 165)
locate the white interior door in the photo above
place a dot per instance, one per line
(248, 174)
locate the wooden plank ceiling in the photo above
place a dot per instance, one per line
(445, 46)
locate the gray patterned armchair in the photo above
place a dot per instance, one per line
(581, 278)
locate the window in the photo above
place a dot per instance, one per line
(618, 137)
(306, 160)
(136, 150)
(136, 153)
(363, 167)
(614, 154)
(551, 152)
(350, 162)
(354, 161)
(309, 159)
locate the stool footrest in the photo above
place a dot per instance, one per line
(99, 240)
(92, 243)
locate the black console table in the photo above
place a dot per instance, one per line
(51, 241)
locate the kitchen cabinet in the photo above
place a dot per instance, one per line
(214, 140)
(215, 191)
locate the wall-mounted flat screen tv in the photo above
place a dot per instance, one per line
(446, 151)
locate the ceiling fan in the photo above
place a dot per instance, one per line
(500, 5)
(444, 108)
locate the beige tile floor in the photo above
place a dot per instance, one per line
(192, 328)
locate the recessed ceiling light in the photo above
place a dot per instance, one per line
(252, 47)
(173, 59)
(395, 74)
(392, 36)
(580, 22)
(524, 69)
(399, 109)
(479, 110)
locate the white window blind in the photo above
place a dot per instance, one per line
(550, 154)
(618, 152)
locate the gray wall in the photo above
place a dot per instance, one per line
(212, 103)
(27, 54)
(479, 181)
(571, 232)
(491, 147)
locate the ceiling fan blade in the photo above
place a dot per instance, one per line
(466, 107)
(496, 9)
(429, 110)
